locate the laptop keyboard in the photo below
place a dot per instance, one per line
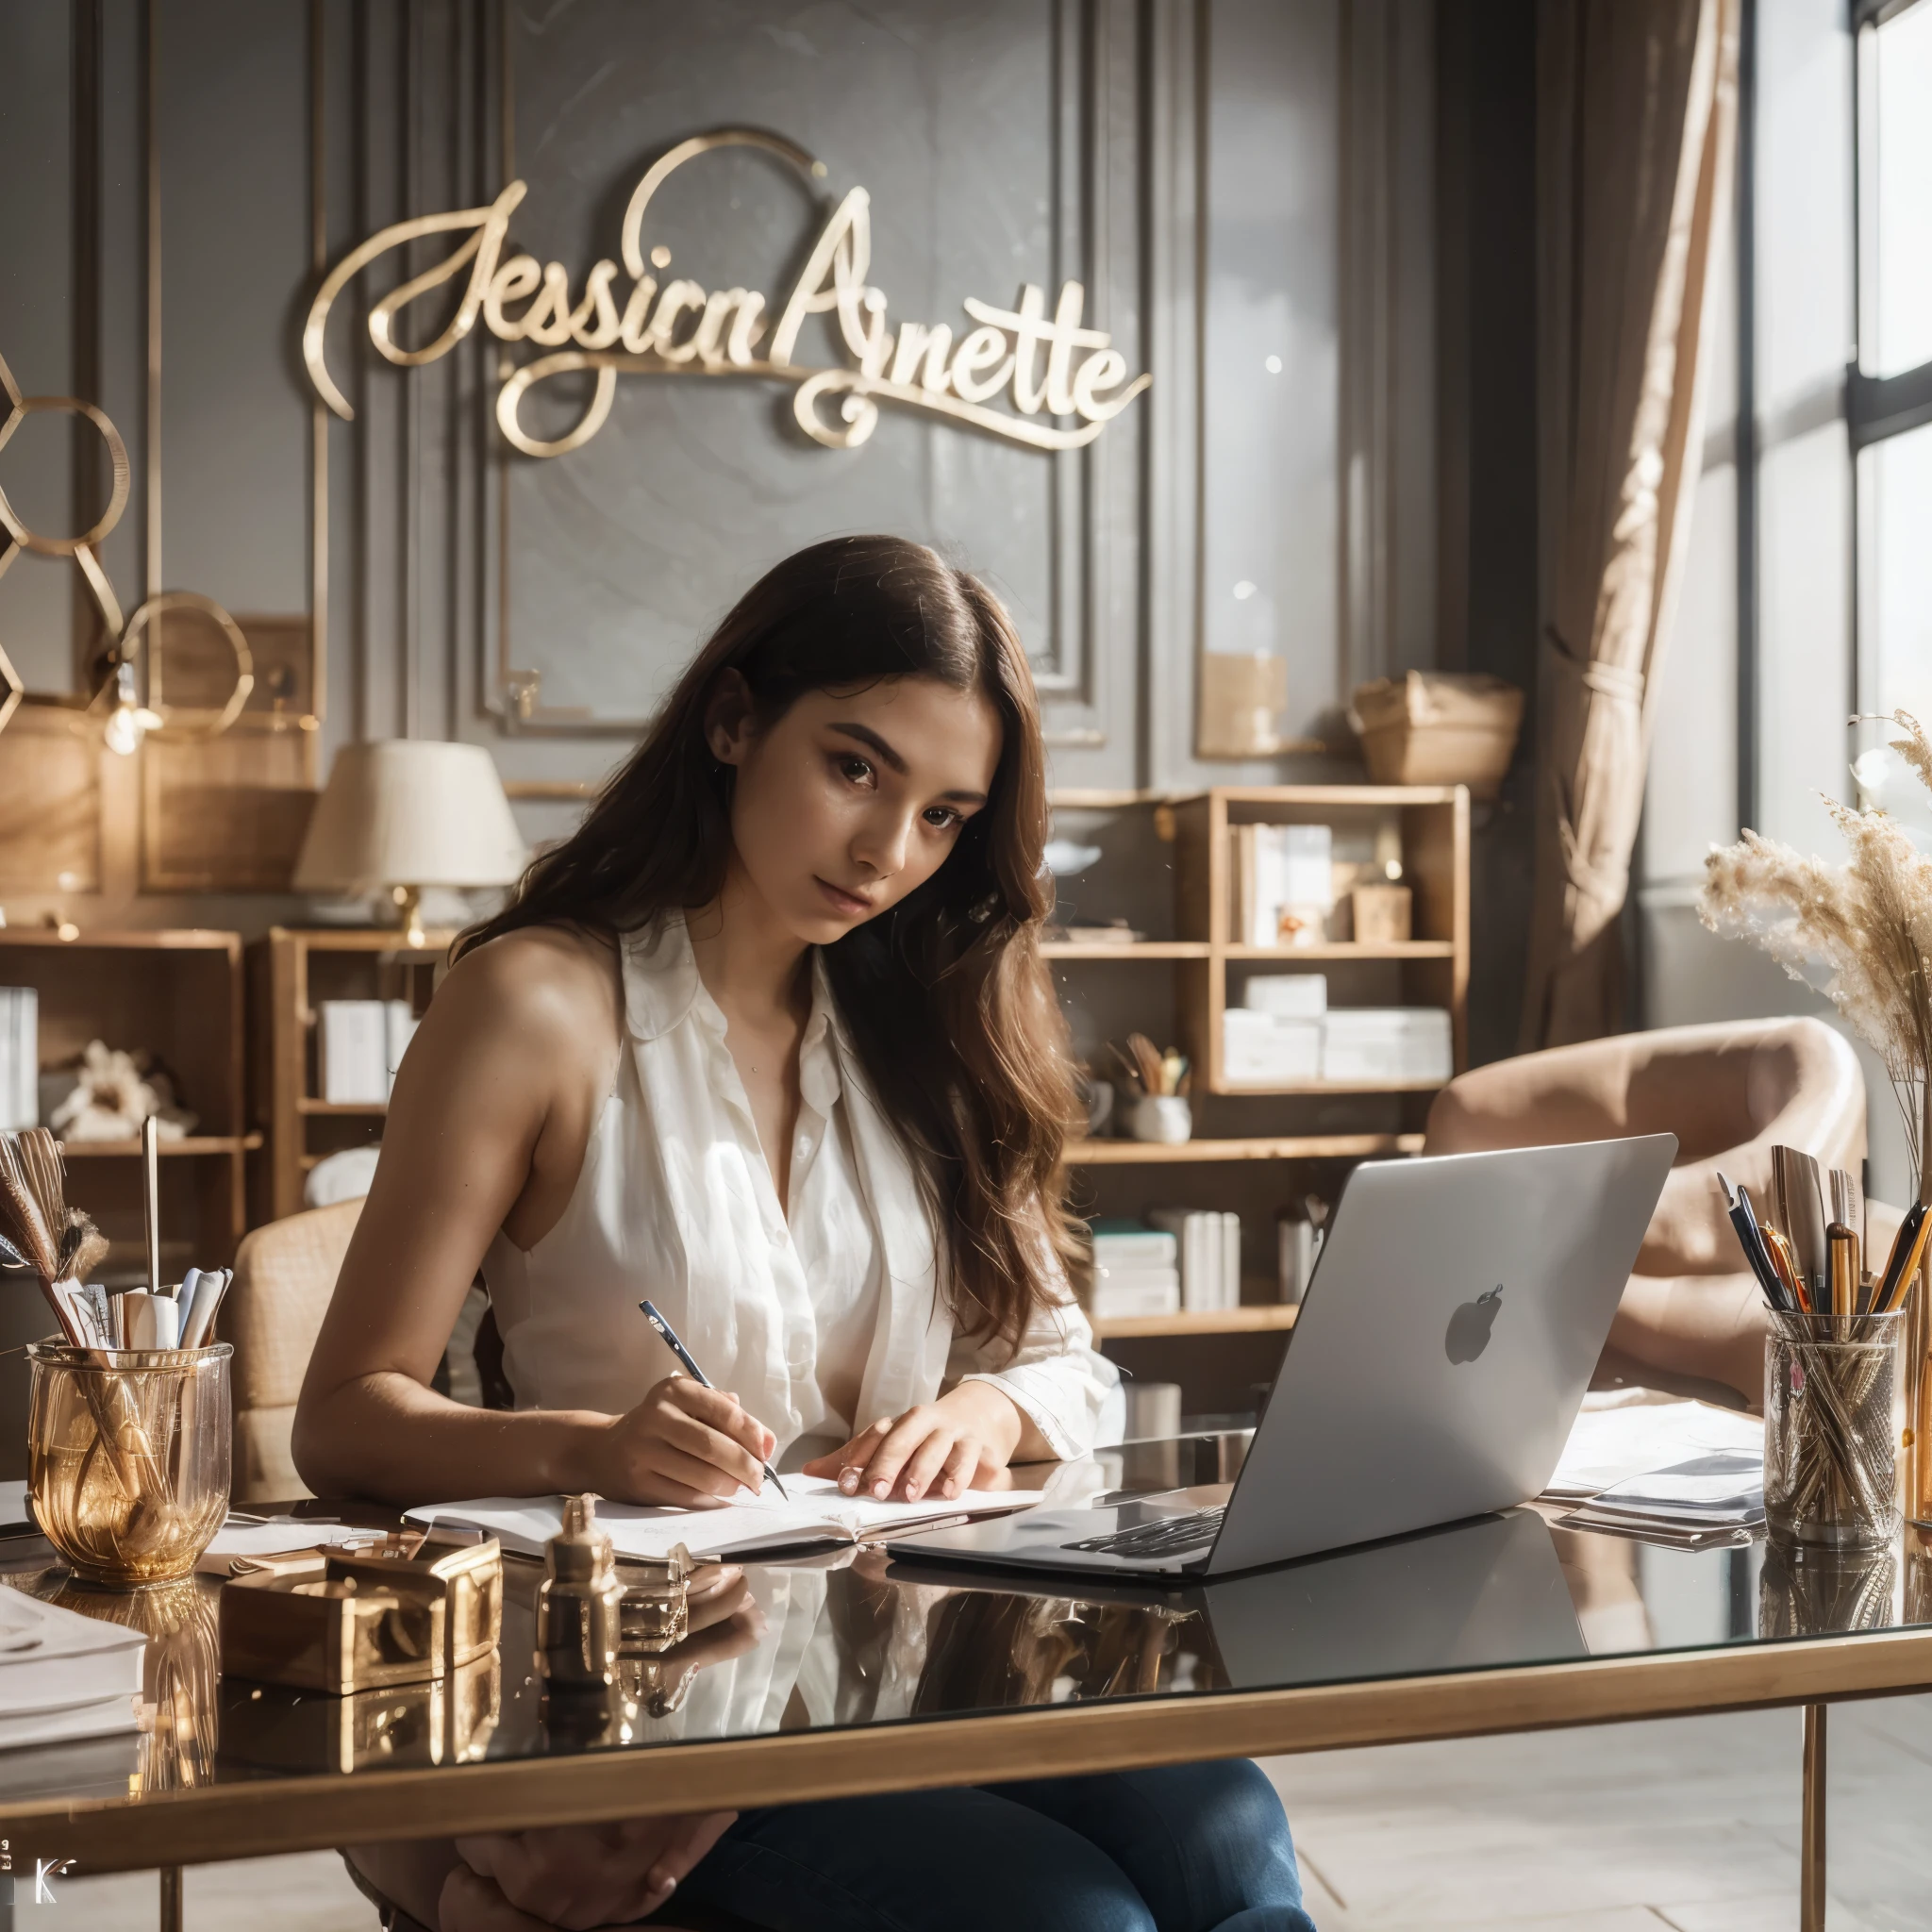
(1169, 1537)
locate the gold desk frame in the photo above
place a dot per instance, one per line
(221, 1822)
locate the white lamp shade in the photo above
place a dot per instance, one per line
(410, 812)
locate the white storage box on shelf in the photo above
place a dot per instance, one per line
(1265, 1050)
(1287, 995)
(1400, 1044)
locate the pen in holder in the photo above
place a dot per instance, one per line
(128, 1445)
(1831, 1428)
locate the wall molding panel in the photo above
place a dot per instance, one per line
(407, 535)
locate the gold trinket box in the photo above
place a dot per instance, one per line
(462, 1568)
(314, 1632)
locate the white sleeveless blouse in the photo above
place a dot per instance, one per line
(820, 1319)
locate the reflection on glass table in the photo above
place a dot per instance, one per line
(855, 1639)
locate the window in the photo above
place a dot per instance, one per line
(1888, 392)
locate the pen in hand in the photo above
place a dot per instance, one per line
(667, 1334)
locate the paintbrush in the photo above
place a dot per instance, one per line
(1142, 1063)
(34, 1219)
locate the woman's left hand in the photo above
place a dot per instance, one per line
(575, 1875)
(943, 1448)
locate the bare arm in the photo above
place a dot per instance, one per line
(487, 1130)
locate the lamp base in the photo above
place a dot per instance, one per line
(408, 903)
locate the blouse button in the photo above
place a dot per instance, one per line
(804, 1146)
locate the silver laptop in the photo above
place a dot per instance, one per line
(1439, 1358)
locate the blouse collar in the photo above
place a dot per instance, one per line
(662, 988)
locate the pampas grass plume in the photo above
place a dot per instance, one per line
(1861, 932)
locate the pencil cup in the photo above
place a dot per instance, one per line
(1164, 1118)
(1831, 1430)
(128, 1457)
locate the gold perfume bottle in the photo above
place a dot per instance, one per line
(579, 1604)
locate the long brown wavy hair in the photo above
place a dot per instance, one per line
(945, 996)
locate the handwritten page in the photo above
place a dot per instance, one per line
(817, 1513)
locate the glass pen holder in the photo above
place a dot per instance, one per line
(129, 1454)
(1831, 1430)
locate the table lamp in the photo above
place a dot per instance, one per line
(406, 813)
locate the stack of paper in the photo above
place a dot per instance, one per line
(1210, 1251)
(63, 1676)
(1396, 1043)
(1135, 1270)
(1716, 1498)
(360, 1046)
(1675, 1472)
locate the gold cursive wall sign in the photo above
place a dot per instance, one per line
(1049, 365)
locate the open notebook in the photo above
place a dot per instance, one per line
(817, 1514)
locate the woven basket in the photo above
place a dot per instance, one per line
(1438, 728)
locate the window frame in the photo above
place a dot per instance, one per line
(1876, 406)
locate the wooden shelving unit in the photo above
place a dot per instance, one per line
(1433, 965)
(177, 994)
(1430, 968)
(289, 971)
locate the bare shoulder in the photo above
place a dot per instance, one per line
(552, 987)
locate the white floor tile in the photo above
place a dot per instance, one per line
(1684, 1825)
(309, 1892)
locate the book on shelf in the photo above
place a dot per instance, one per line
(1135, 1270)
(360, 1044)
(1211, 1255)
(1282, 884)
(19, 1056)
(399, 1023)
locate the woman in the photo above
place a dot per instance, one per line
(770, 1040)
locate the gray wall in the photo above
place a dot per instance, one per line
(1281, 154)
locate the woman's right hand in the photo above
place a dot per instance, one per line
(684, 1444)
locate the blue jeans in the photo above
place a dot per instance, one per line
(1190, 1848)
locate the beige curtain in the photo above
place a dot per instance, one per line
(1636, 123)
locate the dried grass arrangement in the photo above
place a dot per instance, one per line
(1866, 925)
(1861, 932)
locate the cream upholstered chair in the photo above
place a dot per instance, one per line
(284, 1276)
(1691, 1319)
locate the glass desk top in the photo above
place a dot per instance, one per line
(856, 1639)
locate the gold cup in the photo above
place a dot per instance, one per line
(128, 1457)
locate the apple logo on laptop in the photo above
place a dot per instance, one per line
(1469, 1327)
